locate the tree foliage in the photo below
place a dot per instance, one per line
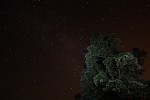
(107, 69)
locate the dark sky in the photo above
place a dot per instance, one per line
(41, 42)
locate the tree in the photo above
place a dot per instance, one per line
(109, 72)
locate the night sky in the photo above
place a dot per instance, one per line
(41, 42)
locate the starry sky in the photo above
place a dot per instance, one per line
(41, 42)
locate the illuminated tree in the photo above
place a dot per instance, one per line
(109, 72)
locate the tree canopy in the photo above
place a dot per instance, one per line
(108, 70)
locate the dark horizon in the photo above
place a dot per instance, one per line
(42, 41)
